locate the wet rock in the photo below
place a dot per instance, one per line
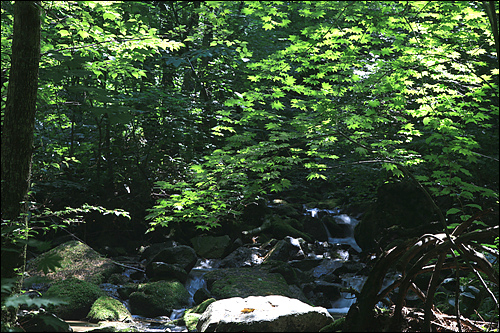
(263, 314)
(350, 267)
(286, 249)
(163, 271)
(321, 293)
(327, 267)
(243, 257)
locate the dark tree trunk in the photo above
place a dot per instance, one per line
(17, 132)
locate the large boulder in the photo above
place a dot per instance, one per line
(77, 260)
(401, 211)
(248, 281)
(263, 314)
(79, 295)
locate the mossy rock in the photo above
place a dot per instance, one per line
(288, 227)
(200, 308)
(79, 295)
(158, 298)
(78, 260)
(247, 281)
(106, 308)
(191, 320)
(191, 316)
(336, 326)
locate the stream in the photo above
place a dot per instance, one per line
(339, 307)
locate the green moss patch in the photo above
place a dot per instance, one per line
(79, 294)
(158, 298)
(78, 260)
(106, 308)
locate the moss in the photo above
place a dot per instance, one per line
(78, 260)
(336, 326)
(282, 228)
(191, 316)
(191, 320)
(108, 308)
(244, 282)
(79, 294)
(200, 308)
(158, 298)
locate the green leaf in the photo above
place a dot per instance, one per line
(49, 262)
(452, 211)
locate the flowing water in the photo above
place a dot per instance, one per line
(195, 280)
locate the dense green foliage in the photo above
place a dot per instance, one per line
(221, 103)
(190, 111)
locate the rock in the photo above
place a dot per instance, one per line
(322, 293)
(158, 298)
(243, 257)
(78, 260)
(163, 271)
(400, 212)
(246, 281)
(80, 296)
(327, 267)
(106, 308)
(201, 295)
(182, 256)
(263, 314)
(147, 252)
(281, 228)
(286, 249)
(211, 247)
(191, 316)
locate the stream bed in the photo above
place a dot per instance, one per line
(344, 245)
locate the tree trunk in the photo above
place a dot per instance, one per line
(17, 134)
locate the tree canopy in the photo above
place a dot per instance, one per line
(217, 104)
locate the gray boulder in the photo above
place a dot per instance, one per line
(263, 314)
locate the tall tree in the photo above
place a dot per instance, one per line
(17, 132)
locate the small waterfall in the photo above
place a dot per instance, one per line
(340, 219)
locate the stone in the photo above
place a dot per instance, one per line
(158, 298)
(211, 247)
(79, 295)
(78, 260)
(164, 271)
(243, 257)
(106, 308)
(263, 314)
(182, 256)
(246, 281)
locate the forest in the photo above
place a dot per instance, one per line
(133, 125)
